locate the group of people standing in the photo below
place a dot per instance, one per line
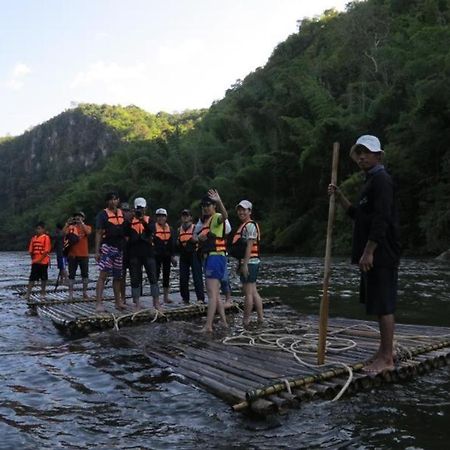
(128, 239)
(131, 239)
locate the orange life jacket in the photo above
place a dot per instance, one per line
(255, 247)
(40, 245)
(219, 243)
(114, 226)
(162, 232)
(137, 226)
(184, 236)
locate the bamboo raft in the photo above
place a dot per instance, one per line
(264, 381)
(78, 317)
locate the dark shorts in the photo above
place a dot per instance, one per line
(253, 270)
(39, 272)
(82, 262)
(378, 290)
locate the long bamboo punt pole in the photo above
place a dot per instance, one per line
(324, 304)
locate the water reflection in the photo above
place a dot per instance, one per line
(102, 392)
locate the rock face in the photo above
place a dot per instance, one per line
(52, 154)
(445, 256)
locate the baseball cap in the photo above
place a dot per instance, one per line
(79, 213)
(206, 200)
(245, 204)
(140, 202)
(160, 212)
(372, 143)
(186, 212)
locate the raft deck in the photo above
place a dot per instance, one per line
(249, 374)
(78, 317)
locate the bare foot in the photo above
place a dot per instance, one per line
(228, 305)
(100, 308)
(206, 329)
(378, 365)
(121, 306)
(137, 307)
(168, 300)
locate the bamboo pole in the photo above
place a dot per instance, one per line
(323, 324)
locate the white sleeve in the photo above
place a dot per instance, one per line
(227, 226)
(250, 231)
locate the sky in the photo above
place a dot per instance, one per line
(160, 55)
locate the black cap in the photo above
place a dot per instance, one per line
(207, 201)
(79, 213)
(186, 212)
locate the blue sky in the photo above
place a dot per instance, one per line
(165, 55)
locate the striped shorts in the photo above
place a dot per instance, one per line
(111, 261)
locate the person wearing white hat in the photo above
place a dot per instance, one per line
(245, 247)
(376, 247)
(139, 231)
(164, 241)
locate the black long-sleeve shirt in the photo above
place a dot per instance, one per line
(375, 218)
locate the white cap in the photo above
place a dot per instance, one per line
(160, 212)
(245, 204)
(372, 143)
(140, 202)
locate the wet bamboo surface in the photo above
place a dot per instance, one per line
(78, 317)
(265, 381)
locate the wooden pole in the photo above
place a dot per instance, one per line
(323, 321)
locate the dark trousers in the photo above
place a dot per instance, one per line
(188, 262)
(136, 265)
(164, 262)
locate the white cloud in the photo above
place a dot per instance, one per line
(16, 77)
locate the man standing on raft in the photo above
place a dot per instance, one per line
(376, 247)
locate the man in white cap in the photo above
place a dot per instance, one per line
(139, 231)
(376, 247)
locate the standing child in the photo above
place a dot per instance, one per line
(39, 249)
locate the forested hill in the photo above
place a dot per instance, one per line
(382, 67)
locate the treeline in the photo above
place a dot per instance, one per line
(382, 68)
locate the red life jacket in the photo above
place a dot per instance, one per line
(162, 232)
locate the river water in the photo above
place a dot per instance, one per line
(101, 392)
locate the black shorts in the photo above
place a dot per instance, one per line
(39, 272)
(378, 290)
(74, 262)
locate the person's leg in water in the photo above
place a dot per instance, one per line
(248, 303)
(29, 290)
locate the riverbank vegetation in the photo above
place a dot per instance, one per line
(382, 67)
